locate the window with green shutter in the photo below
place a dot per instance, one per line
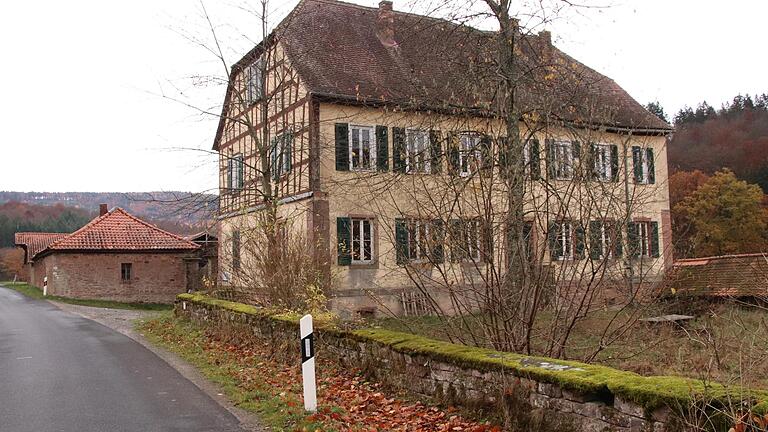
(644, 165)
(561, 237)
(643, 238)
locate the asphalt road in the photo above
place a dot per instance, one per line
(62, 372)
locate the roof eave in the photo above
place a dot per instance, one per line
(377, 102)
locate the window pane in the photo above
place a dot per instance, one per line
(356, 239)
(367, 241)
(365, 144)
(355, 151)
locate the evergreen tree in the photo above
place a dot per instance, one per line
(656, 109)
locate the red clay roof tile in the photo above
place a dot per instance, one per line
(722, 276)
(34, 242)
(119, 230)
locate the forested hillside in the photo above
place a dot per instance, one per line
(718, 177)
(182, 207)
(15, 217)
(734, 136)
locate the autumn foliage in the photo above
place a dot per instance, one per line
(717, 215)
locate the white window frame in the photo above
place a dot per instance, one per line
(417, 160)
(644, 238)
(606, 244)
(469, 153)
(566, 239)
(254, 82)
(283, 165)
(234, 169)
(470, 240)
(356, 132)
(419, 232)
(358, 228)
(603, 162)
(563, 160)
(644, 165)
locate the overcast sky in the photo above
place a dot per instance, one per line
(98, 96)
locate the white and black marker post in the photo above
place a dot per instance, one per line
(308, 363)
(45, 286)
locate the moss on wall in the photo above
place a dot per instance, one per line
(648, 392)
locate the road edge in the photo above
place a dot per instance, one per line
(248, 420)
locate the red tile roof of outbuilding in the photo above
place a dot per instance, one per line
(743, 275)
(119, 230)
(34, 242)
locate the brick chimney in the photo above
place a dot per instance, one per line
(546, 45)
(103, 209)
(385, 24)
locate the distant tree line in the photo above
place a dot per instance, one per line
(735, 136)
(17, 217)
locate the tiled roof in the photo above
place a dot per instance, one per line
(722, 276)
(34, 242)
(118, 230)
(439, 64)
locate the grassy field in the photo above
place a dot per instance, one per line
(35, 293)
(726, 342)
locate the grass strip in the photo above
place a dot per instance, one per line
(34, 292)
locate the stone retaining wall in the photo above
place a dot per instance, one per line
(528, 404)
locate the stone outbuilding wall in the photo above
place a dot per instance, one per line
(532, 393)
(155, 277)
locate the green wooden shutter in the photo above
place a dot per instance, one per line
(435, 152)
(230, 171)
(578, 240)
(382, 148)
(453, 154)
(555, 247)
(618, 248)
(633, 239)
(533, 152)
(637, 163)
(287, 153)
(274, 159)
(528, 238)
(456, 239)
(240, 178)
(614, 163)
(654, 239)
(577, 168)
(651, 166)
(550, 150)
(595, 243)
(398, 149)
(486, 242)
(344, 240)
(486, 152)
(342, 147)
(401, 241)
(438, 242)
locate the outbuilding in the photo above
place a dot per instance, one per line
(119, 257)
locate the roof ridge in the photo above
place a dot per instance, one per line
(718, 257)
(145, 223)
(89, 224)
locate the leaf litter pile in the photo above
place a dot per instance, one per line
(259, 382)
